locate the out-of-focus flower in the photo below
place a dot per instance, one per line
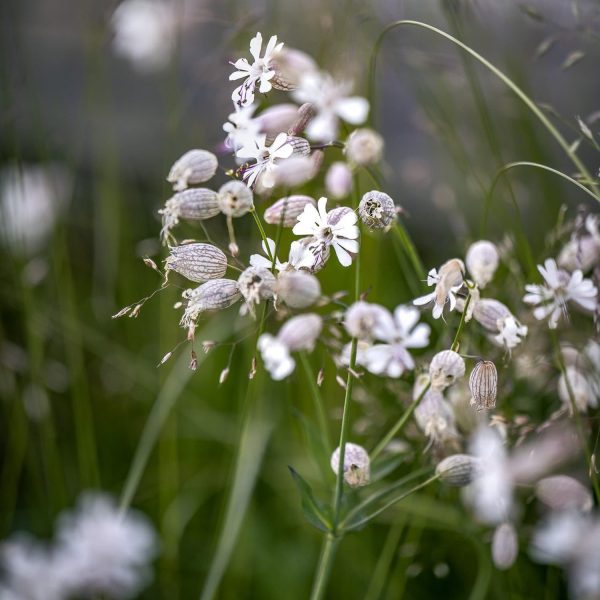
(335, 228)
(561, 492)
(364, 147)
(482, 261)
(260, 72)
(338, 180)
(446, 367)
(435, 418)
(290, 66)
(265, 157)
(240, 125)
(574, 382)
(298, 333)
(392, 359)
(571, 539)
(550, 299)
(583, 249)
(260, 261)
(367, 321)
(145, 33)
(195, 166)
(357, 471)
(31, 200)
(447, 282)
(297, 289)
(331, 101)
(505, 546)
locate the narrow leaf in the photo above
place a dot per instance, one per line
(314, 510)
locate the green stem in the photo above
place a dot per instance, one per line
(498, 73)
(409, 248)
(318, 400)
(324, 569)
(456, 342)
(398, 426)
(263, 235)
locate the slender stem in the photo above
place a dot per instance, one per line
(456, 342)
(263, 235)
(577, 418)
(391, 503)
(397, 427)
(498, 73)
(324, 569)
(409, 248)
(318, 400)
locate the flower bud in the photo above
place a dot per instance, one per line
(458, 470)
(278, 118)
(195, 166)
(305, 114)
(582, 253)
(505, 546)
(561, 492)
(357, 471)
(301, 332)
(197, 262)
(489, 312)
(298, 289)
(195, 204)
(482, 261)
(287, 210)
(376, 210)
(483, 383)
(364, 320)
(338, 180)
(445, 368)
(256, 284)
(235, 199)
(364, 146)
(583, 394)
(215, 294)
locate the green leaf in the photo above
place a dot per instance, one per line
(314, 510)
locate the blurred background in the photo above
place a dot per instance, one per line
(89, 129)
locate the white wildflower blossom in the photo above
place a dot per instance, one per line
(265, 157)
(550, 299)
(368, 321)
(332, 101)
(335, 228)
(447, 282)
(511, 332)
(258, 73)
(240, 125)
(276, 356)
(258, 260)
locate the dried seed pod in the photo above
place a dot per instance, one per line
(287, 210)
(299, 144)
(489, 312)
(301, 332)
(195, 204)
(357, 471)
(445, 368)
(505, 546)
(235, 199)
(198, 262)
(482, 261)
(458, 470)
(298, 289)
(483, 383)
(338, 180)
(376, 210)
(364, 146)
(195, 166)
(561, 492)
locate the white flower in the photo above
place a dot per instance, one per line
(255, 147)
(145, 33)
(240, 126)
(335, 228)
(392, 359)
(258, 260)
(259, 72)
(331, 101)
(276, 356)
(447, 283)
(560, 287)
(511, 332)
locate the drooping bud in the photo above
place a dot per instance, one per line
(458, 470)
(198, 262)
(338, 180)
(445, 368)
(561, 492)
(287, 210)
(196, 204)
(256, 284)
(301, 332)
(482, 261)
(376, 210)
(235, 199)
(298, 289)
(483, 383)
(195, 166)
(305, 114)
(364, 146)
(215, 294)
(357, 470)
(505, 546)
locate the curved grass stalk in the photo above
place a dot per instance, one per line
(498, 73)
